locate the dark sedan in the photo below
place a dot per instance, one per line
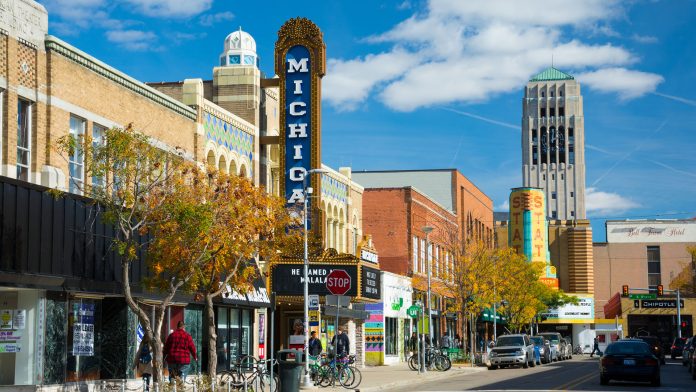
(629, 360)
(655, 347)
(677, 347)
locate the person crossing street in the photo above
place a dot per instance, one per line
(595, 348)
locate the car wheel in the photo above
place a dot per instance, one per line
(603, 380)
(655, 381)
(525, 364)
(492, 367)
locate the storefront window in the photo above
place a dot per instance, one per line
(56, 337)
(391, 335)
(235, 333)
(246, 332)
(84, 324)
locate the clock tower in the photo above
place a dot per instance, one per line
(236, 78)
(553, 143)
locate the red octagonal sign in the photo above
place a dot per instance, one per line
(338, 282)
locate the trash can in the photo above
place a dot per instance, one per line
(290, 370)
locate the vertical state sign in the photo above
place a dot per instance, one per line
(300, 63)
(528, 233)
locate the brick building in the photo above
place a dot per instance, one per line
(399, 204)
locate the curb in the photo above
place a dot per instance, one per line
(421, 380)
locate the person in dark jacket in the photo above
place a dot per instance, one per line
(315, 347)
(341, 342)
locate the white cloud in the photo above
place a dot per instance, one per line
(644, 39)
(470, 51)
(353, 79)
(625, 82)
(171, 8)
(502, 207)
(211, 19)
(602, 203)
(134, 40)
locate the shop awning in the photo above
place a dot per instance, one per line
(256, 296)
(487, 316)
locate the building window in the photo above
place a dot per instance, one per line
(552, 112)
(423, 257)
(554, 214)
(572, 213)
(561, 111)
(436, 261)
(543, 112)
(23, 139)
(98, 134)
(572, 193)
(553, 195)
(553, 176)
(391, 335)
(543, 177)
(562, 177)
(560, 93)
(415, 254)
(542, 94)
(551, 93)
(76, 161)
(654, 276)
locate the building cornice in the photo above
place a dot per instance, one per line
(68, 51)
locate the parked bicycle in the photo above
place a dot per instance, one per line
(326, 370)
(435, 359)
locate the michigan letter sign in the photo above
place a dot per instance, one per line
(300, 63)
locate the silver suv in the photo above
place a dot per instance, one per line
(512, 350)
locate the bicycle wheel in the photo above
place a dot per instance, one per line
(230, 377)
(357, 377)
(345, 376)
(446, 363)
(325, 376)
(265, 382)
(413, 362)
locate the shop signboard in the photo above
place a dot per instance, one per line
(288, 279)
(370, 283)
(413, 311)
(369, 256)
(661, 304)
(83, 331)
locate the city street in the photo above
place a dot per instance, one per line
(578, 374)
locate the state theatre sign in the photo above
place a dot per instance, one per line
(300, 63)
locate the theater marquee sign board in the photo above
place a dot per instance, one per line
(300, 63)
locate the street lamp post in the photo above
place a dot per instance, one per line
(427, 230)
(306, 191)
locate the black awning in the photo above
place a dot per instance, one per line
(256, 296)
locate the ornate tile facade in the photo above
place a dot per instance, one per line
(229, 136)
(333, 188)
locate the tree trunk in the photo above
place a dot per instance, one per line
(212, 336)
(153, 335)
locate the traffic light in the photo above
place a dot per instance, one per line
(660, 290)
(683, 324)
(625, 290)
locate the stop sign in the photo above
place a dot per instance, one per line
(338, 282)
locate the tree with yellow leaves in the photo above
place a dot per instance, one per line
(130, 180)
(211, 232)
(685, 281)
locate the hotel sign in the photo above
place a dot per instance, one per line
(300, 64)
(647, 231)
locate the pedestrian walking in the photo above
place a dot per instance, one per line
(341, 342)
(177, 352)
(413, 342)
(595, 347)
(143, 361)
(446, 341)
(315, 347)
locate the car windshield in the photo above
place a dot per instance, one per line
(538, 340)
(510, 341)
(627, 348)
(553, 338)
(679, 342)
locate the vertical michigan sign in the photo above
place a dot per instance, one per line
(528, 231)
(300, 63)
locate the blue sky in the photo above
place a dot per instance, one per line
(438, 84)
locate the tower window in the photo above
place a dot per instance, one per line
(572, 213)
(562, 177)
(542, 94)
(553, 176)
(560, 93)
(542, 112)
(553, 195)
(571, 193)
(552, 112)
(561, 111)
(534, 136)
(543, 177)
(554, 214)
(551, 93)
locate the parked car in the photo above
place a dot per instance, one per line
(544, 347)
(688, 351)
(512, 350)
(677, 347)
(557, 344)
(629, 360)
(655, 347)
(568, 348)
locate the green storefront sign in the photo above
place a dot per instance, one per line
(413, 311)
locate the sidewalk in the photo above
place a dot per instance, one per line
(377, 378)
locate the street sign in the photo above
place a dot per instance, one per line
(313, 302)
(338, 282)
(338, 300)
(413, 311)
(642, 296)
(330, 310)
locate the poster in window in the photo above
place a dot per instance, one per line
(83, 331)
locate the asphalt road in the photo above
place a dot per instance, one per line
(578, 374)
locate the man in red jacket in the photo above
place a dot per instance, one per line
(177, 352)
